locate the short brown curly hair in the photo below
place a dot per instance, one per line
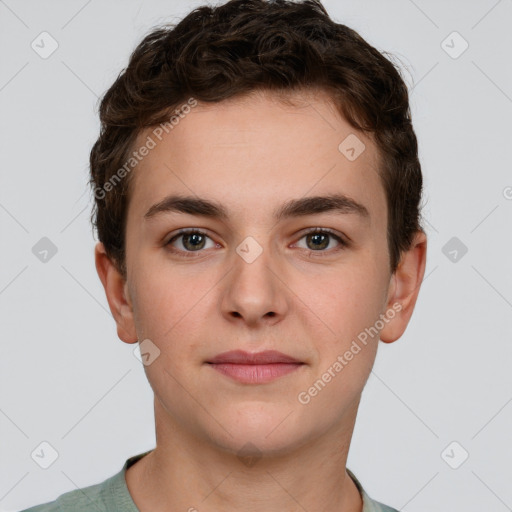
(216, 53)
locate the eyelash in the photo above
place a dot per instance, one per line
(188, 254)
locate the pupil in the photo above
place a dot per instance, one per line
(197, 240)
(317, 237)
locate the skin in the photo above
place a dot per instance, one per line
(252, 154)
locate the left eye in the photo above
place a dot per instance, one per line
(319, 239)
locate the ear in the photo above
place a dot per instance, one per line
(404, 288)
(116, 291)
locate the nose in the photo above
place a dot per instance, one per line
(253, 292)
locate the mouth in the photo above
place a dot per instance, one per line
(254, 368)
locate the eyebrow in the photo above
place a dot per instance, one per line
(337, 203)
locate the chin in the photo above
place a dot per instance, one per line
(265, 429)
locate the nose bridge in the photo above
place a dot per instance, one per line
(254, 291)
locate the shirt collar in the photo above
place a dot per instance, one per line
(120, 498)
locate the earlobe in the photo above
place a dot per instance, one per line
(404, 288)
(116, 290)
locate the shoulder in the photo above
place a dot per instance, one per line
(111, 495)
(78, 500)
(369, 505)
(380, 507)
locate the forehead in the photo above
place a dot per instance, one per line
(257, 150)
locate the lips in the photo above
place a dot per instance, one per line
(254, 368)
(241, 357)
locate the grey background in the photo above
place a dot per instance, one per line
(66, 379)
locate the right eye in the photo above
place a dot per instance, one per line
(191, 240)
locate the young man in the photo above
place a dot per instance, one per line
(257, 191)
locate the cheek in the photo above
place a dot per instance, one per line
(349, 305)
(346, 301)
(168, 306)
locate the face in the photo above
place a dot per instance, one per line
(269, 265)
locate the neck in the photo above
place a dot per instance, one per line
(191, 474)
